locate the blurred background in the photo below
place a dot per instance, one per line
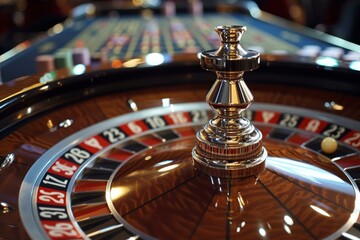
(25, 19)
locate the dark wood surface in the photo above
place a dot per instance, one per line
(194, 206)
(32, 137)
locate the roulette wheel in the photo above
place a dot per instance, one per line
(116, 152)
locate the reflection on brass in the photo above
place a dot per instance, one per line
(5, 207)
(7, 161)
(64, 124)
(132, 105)
(333, 106)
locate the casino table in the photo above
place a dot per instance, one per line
(104, 151)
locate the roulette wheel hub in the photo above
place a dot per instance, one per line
(219, 190)
(160, 195)
(157, 193)
(229, 146)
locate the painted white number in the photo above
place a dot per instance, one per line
(199, 116)
(334, 131)
(68, 171)
(93, 142)
(55, 197)
(313, 125)
(61, 230)
(78, 155)
(114, 135)
(55, 182)
(267, 116)
(134, 128)
(155, 122)
(178, 118)
(289, 120)
(354, 140)
(48, 212)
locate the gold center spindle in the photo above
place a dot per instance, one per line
(229, 145)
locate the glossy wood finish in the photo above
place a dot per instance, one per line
(34, 138)
(104, 95)
(166, 198)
